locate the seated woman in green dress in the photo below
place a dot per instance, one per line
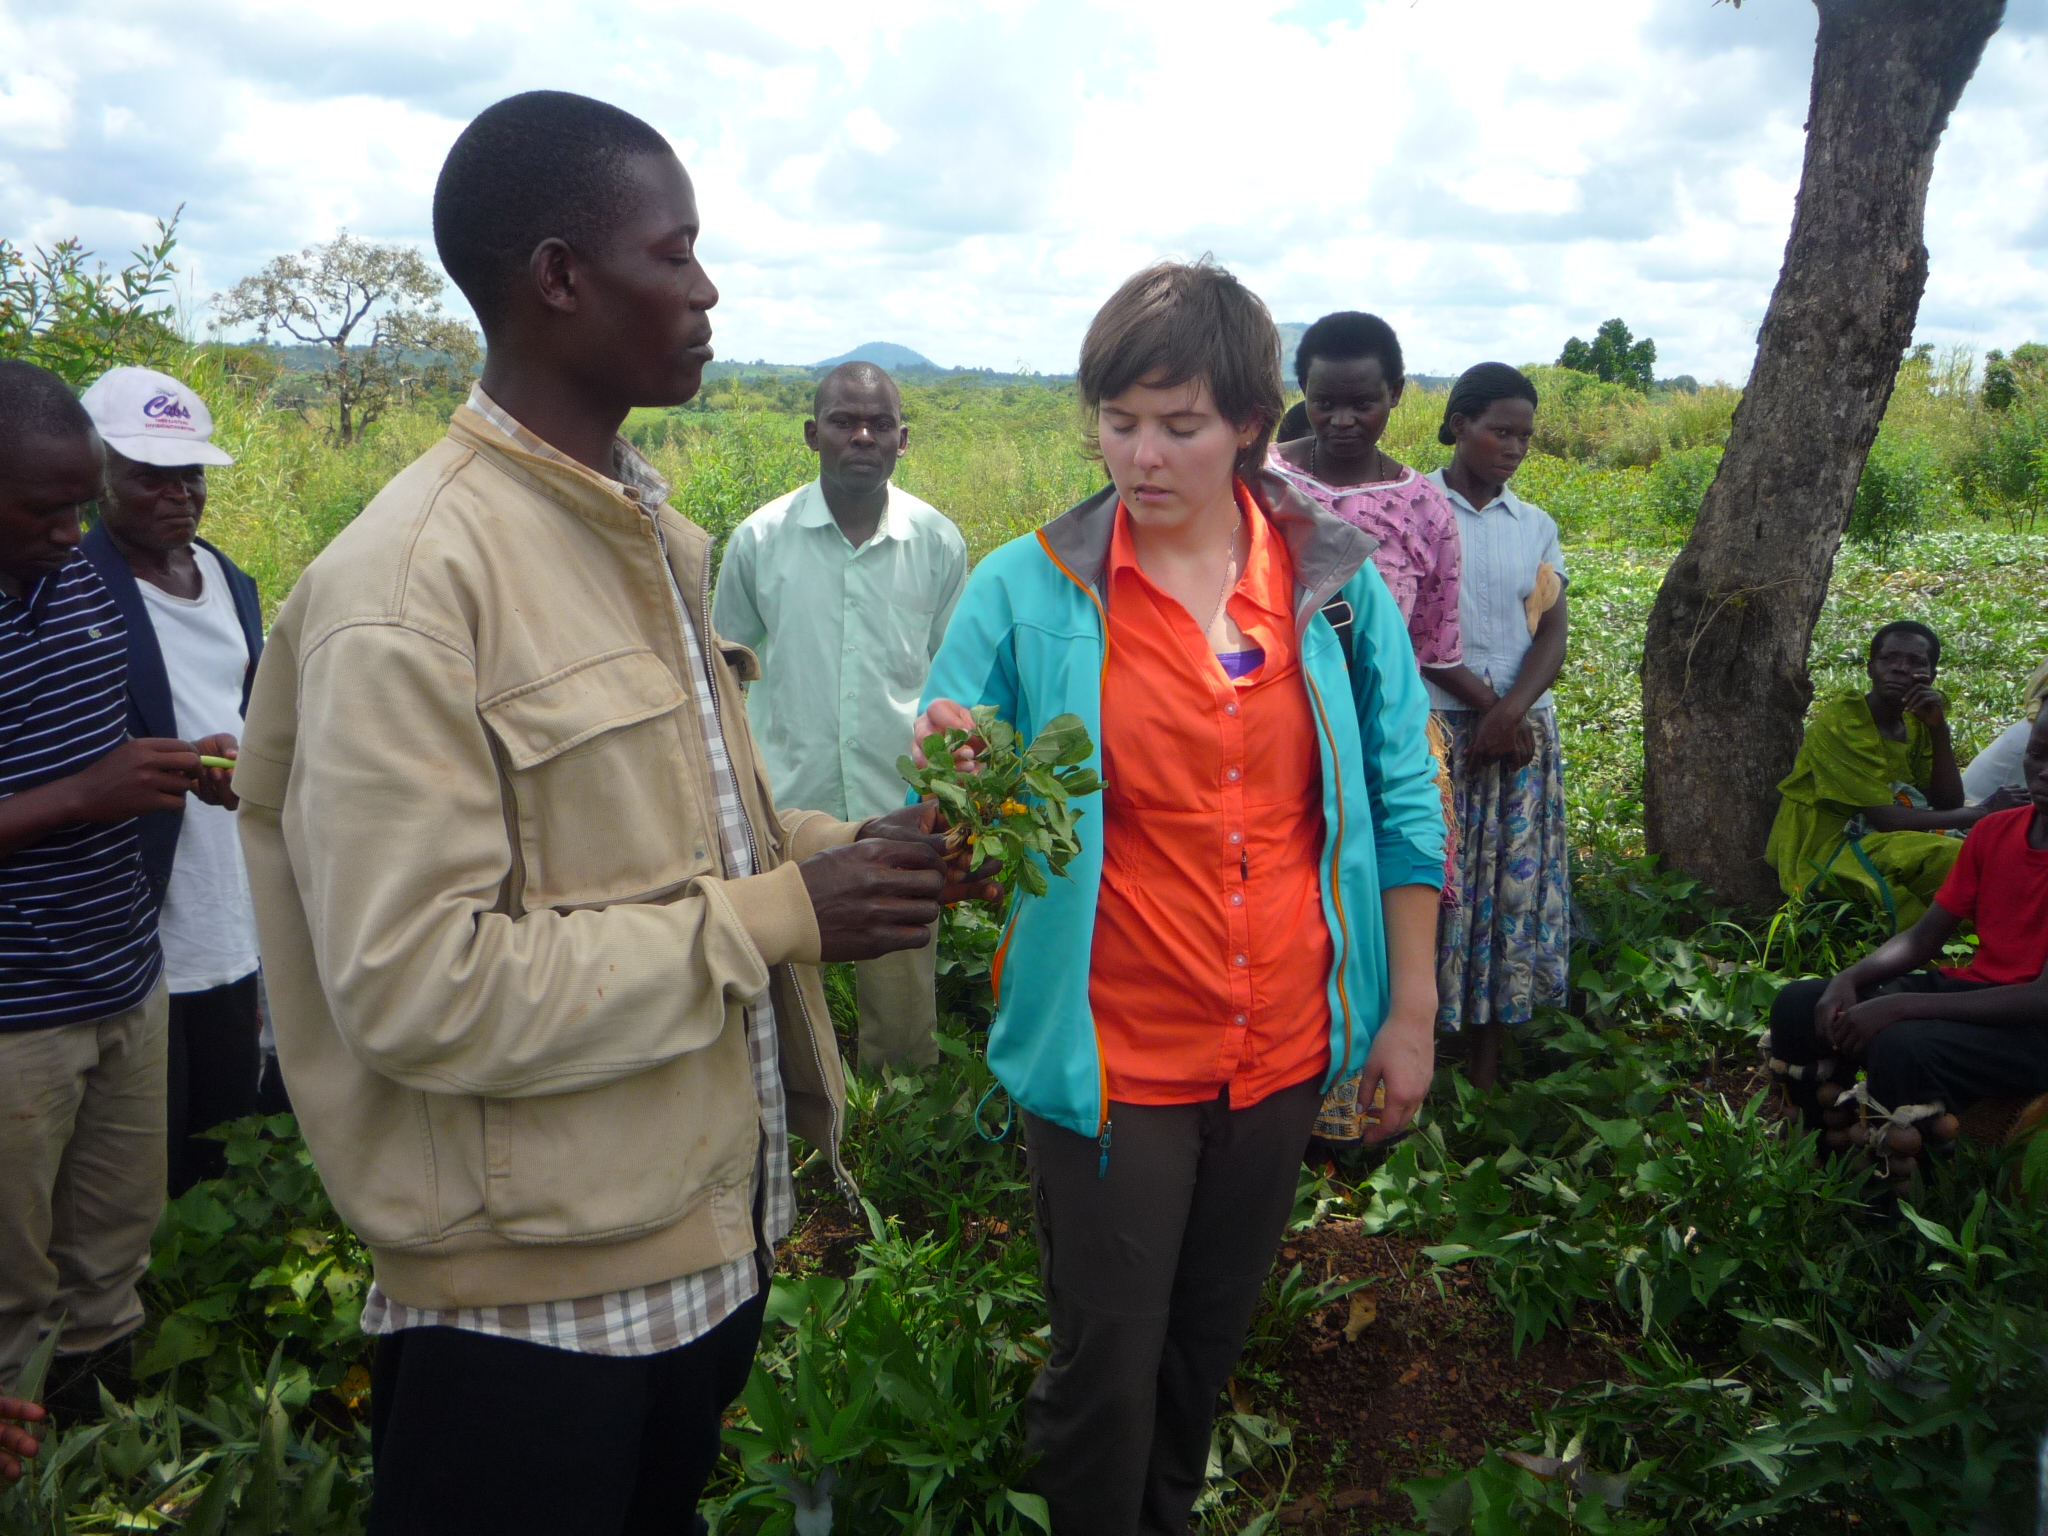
(1875, 791)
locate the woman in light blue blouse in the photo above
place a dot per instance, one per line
(1504, 947)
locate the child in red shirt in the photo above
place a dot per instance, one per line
(1956, 1034)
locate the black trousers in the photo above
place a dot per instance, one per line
(1152, 1274)
(213, 1073)
(472, 1435)
(1918, 1061)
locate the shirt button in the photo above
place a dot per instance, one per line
(1238, 1018)
(1235, 837)
(1232, 775)
(1230, 709)
(1237, 898)
(1244, 960)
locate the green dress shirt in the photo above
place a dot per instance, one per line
(845, 637)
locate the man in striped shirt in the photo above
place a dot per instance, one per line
(82, 1004)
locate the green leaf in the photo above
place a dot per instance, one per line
(181, 1338)
(1033, 1508)
(1063, 742)
(30, 1383)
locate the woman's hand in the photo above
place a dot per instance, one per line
(1504, 735)
(2003, 798)
(1403, 1058)
(1928, 703)
(945, 715)
(1403, 1061)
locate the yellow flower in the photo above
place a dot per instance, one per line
(1011, 808)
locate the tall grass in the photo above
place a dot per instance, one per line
(1618, 469)
(290, 490)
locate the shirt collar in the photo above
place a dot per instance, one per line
(812, 512)
(633, 477)
(1507, 500)
(1268, 578)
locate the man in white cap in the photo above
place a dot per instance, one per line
(195, 629)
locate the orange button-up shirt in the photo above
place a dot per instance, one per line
(1212, 959)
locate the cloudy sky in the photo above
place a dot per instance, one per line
(972, 179)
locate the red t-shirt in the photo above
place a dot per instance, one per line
(2001, 885)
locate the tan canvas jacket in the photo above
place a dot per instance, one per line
(478, 812)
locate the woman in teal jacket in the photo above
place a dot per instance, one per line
(1267, 923)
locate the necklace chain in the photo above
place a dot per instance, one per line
(1380, 462)
(1229, 574)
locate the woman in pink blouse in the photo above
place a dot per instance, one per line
(1350, 372)
(1349, 368)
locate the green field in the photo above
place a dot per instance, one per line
(1769, 1357)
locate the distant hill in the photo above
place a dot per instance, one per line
(883, 354)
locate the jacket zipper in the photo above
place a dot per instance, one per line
(1336, 860)
(1101, 1057)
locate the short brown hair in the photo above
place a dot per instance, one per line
(1181, 321)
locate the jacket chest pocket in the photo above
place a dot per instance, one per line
(601, 761)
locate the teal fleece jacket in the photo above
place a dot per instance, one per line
(1030, 636)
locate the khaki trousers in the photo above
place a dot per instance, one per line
(82, 1138)
(899, 1009)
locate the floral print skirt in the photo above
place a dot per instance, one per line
(1505, 946)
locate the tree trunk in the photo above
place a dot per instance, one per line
(1725, 685)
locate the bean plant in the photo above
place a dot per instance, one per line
(1013, 803)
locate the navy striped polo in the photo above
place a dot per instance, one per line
(77, 931)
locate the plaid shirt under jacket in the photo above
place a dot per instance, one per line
(649, 1319)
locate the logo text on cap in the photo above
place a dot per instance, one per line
(165, 411)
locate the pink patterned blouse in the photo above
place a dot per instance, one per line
(1418, 553)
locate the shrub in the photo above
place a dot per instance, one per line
(258, 1262)
(1902, 490)
(1679, 481)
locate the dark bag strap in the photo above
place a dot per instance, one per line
(1338, 611)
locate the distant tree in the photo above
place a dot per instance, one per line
(2006, 377)
(1725, 681)
(1684, 384)
(1614, 354)
(79, 321)
(377, 310)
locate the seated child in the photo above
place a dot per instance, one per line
(1875, 788)
(1945, 1037)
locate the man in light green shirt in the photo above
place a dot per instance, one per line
(844, 587)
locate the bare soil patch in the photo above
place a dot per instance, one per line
(1426, 1385)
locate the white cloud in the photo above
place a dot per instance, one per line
(973, 179)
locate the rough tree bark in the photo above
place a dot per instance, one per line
(1725, 685)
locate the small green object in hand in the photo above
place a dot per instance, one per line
(1016, 804)
(215, 762)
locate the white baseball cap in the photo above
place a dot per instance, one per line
(152, 418)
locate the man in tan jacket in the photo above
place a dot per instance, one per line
(540, 950)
